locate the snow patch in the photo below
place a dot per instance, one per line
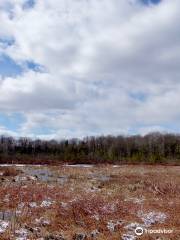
(42, 221)
(94, 233)
(3, 226)
(96, 217)
(64, 205)
(132, 226)
(128, 237)
(112, 225)
(33, 205)
(46, 203)
(135, 200)
(79, 165)
(12, 165)
(22, 234)
(152, 217)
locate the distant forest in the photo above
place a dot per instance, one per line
(153, 148)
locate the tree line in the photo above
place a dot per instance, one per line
(149, 149)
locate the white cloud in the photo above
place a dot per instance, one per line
(99, 58)
(5, 131)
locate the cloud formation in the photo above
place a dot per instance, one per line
(95, 67)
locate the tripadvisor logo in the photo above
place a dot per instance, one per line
(140, 231)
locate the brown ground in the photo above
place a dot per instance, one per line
(100, 202)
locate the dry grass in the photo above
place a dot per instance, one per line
(104, 199)
(9, 171)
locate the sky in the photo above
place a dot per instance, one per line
(76, 68)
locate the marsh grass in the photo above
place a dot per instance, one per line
(87, 202)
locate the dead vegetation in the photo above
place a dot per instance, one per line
(9, 171)
(106, 202)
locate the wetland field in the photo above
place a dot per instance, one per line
(78, 202)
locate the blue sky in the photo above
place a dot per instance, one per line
(78, 68)
(151, 1)
(8, 67)
(11, 121)
(29, 3)
(11, 68)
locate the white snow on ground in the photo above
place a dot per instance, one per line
(46, 203)
(79, 165)
(94, 233)
(45, 222)
(135, 200)
(21, 178)
(3, 226)
(32, 178)
(42, 221)
(152, 217)
(109, 208)
(148, 219)
(21, 238)
(21, 234)
(21, 205)
(128, 237)
(19, 208)
(18, 212)
(20, 165)
(25, 178)
(96, 217)
(111, 225)
(132, 226)
(12, 165)
(33, 204)
(64, 205)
